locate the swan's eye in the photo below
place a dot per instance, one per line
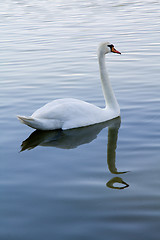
(111, 46)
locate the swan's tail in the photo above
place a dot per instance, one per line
(31, 122)
(41, 124)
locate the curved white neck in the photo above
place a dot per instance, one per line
(108, 93)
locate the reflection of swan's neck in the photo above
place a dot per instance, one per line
(111, 150)
(109, 96)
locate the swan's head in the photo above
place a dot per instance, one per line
(107, 47)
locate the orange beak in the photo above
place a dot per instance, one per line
(115, 51)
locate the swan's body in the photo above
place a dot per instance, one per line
(72, 113)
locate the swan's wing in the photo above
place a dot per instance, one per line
(71, 113)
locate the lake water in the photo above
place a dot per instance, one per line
(100, 182)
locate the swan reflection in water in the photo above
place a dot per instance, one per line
(73, 138)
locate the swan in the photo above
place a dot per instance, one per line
(71, 113)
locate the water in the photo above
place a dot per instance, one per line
(100, 182)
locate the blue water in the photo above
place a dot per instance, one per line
(100, 182)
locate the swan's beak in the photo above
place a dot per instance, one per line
(115, 51)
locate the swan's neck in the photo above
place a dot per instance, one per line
(109, 96)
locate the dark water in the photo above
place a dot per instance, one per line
(100, 182)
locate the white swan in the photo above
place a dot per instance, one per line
(72, 113)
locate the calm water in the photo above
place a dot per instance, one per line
(100, 182)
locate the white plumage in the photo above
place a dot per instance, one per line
(73, 113)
